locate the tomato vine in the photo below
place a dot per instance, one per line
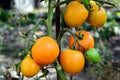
(60, 31)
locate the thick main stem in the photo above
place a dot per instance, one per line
(57, 15)
(60, 73)
(49, 19)
(49, 32)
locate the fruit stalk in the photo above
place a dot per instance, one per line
(59, 71)
(66, 29)
(105, 2)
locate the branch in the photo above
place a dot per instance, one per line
(105, 2)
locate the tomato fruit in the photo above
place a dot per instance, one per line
(29, 67)
(92, 55)
(72, 61)
(86, 42)
(97, 16)
(45, 50)
(75, 14)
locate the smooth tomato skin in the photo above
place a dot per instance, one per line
(29, 67)
(75, 14)
(45, 50)
(72, 61)
(87, 41)
(97, 16)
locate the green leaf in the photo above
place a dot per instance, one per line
(86, 3)
(45, 72)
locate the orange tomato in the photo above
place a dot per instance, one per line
(86, 42)
(45, 50)
(29, 67)
(75, 14)
(72, 61)
(97, 16)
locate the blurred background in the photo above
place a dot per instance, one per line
(19, 16)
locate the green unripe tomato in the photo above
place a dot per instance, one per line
(92, 55)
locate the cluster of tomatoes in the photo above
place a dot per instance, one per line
(76, 14)
(81, 47)
(44, 52)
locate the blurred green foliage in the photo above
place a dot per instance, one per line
(4, 15)
(12, 18)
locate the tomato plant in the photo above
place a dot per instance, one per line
(46, 50)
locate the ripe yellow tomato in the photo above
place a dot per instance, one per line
(29, 67)
(75, 14)
(97, 16)
(72, 61)
(45, 50)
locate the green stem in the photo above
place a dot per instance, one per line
(56, 63)
(71, 77)
(60, 3)
(49, 18)
(28, 46)
(79, 36)
(59, 70)
(36, 25)
(66, 29)
(106, 2)
(62, 32)
(22, 77)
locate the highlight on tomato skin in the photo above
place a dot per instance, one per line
(72, 61)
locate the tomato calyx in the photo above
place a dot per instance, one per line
(79, 36)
